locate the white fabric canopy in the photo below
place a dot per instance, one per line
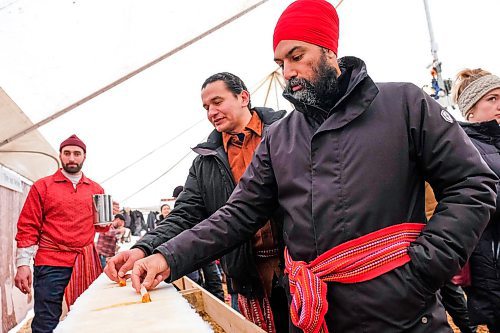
(28, 155)
(54, 53)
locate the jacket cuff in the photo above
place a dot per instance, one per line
(148, 250)
(169, 257)
(422, 262)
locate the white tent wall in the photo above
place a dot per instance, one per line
(14, 303)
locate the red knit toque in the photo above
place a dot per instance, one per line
(310, 21)
(73, 141)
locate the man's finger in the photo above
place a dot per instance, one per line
(136, 278)
(24, 285)
(110, 270)
(156, 281)
(17, 283)
(29, 282)
(149, 279)
(127, 266)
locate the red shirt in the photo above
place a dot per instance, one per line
(61, 213)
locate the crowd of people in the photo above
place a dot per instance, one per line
(319, 217)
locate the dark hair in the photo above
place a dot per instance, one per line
(120, 216)
(233, 83)
(177, 191)
(164, 206)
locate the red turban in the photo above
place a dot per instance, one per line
(73, 141)
(310, 21)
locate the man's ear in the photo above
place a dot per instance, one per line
(332, 59)
(245, 97)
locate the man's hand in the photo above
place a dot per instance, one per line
(120, 264)
(23, 279)
(150, 271)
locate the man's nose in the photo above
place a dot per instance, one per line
(212, 111)
(289, 71)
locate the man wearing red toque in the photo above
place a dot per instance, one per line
(347, 167)
(56, 228)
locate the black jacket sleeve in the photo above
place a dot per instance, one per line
(248, 208)
(188, 211)
(464, 186)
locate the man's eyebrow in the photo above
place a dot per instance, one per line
(289, 53)
(211, 100)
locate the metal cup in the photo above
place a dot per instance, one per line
(103, 208)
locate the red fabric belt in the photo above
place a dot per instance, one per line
(86, 269)
(357, 260)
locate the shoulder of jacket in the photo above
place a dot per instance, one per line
(404, 87)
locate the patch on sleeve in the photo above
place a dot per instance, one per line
(447, 116)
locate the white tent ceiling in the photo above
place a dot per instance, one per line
(31, 156)
(53, 53)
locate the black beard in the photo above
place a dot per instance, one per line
(72, 169)
(322, 91)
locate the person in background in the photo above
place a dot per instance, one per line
(107, 242)
(138, 225)
(56, 227)
(177, 191)
(152, 219)
(477, 93)
(253, 266)
(348, 167)
(164, 211)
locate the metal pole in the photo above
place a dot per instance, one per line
(431, 32)
(435, 60)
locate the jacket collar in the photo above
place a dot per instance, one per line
(359, 93)
(254, 125)
(59, 177)
(488, 131)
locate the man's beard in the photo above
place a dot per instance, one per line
(73, 168)
(321, 91)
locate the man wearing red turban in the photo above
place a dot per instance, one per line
(347, 167)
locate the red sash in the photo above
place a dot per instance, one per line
(357, 260)
(86, 269)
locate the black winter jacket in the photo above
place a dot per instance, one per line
(208, 186)
(483, 296)
(360, 170)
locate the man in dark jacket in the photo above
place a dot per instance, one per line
(348, 168)
(252, 266)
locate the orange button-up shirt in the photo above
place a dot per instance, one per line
(240, 149)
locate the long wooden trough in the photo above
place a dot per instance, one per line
(217, 311)
(179, 307)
